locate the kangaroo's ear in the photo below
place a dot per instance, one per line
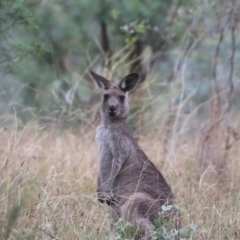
(129, 82)
(101, 81)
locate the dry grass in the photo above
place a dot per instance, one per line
(48, 179)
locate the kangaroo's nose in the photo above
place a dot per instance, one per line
(112, 110)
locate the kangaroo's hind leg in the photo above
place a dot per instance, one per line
(139, 210)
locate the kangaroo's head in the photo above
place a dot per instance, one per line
(114, 105)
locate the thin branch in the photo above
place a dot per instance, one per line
(233, 47)
(216, 86)
(234, 134)
(229, 96)
(228, 146)
(214, 77)
(8, 27)
(50, 235)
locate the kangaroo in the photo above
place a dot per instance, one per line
(128, 182)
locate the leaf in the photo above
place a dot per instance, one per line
(166, 208)
(114, 13)
(193, 226)
(180, 209)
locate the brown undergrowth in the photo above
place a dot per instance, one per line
(48, 181)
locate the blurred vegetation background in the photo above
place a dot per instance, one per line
(184, 112)
(186, 51)
(47, 48)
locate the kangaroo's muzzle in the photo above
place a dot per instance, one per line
(112, 110)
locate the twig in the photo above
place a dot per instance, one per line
(216, 86)
(8, 27)
(50, 235)
(214, 77)
(233, 15)
(233, 46)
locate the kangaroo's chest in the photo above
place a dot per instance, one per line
(113, 144)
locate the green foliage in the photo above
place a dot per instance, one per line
(49, 46)
(14, 13)
(125, 230)
(55, 39)
(163, 228)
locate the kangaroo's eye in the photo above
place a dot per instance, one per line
(122, 98)
(105, 96)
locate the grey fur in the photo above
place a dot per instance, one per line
(128, 181)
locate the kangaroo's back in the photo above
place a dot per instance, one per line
(128, 182)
